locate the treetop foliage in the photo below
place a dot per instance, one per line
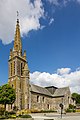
(76, 97)
(7, 94)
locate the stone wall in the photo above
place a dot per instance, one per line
(65, 100)
(41, 102)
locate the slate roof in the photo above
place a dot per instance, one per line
(60, 91)
(41, 90)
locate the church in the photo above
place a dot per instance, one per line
(30, 96)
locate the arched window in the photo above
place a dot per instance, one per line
(43, 99)
(48, 106)
(38, 99)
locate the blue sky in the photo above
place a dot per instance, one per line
(50, 31)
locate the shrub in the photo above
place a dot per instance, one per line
(15, 108)
(8, 115)
(2, 110)
(78, 110)
(13, 116)
(47, 111)
(74, 110)
(71, 106)
(2, 117)
(70, 110)
(26, 116)
(42, 111)
(12, 113)
(35, 111)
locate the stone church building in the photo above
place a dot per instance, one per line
(30, 96)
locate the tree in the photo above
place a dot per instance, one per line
(76, 97)
(7, 95)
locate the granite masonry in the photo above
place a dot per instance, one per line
(29, 96)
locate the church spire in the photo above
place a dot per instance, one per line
(17, 39)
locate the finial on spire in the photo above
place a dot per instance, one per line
(17, 14)
(17, 17)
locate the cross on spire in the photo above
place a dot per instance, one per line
(17, 14)
(17, 17)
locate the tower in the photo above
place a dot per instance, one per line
(19, 72)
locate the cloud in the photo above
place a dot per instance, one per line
(59, 2)
(30, 14)
(63, 71)
(65, 78)
(54, 2)
(51, 21)
(62, 2)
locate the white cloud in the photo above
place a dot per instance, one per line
(62, 2)
(51, 21)
(59, 2)
(54, 2)
(63, 71)
(71, 79)
(30, 13)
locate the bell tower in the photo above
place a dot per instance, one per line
(19, 71)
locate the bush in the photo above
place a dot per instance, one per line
(2, 117)
(12, 113)
(47, 111)
(26, 116)
(35, 111)
(13, 116)
(70, 110)
(71, 106)
(6, 115)
(42, 111)
(15, 108)
(74, 110)
(77, 110)
(2, 110)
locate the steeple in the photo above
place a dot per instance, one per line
(17, 38)
(19, 71)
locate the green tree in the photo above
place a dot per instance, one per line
(7, 95)
(76, 97)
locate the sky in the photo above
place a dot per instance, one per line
(50, 33)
